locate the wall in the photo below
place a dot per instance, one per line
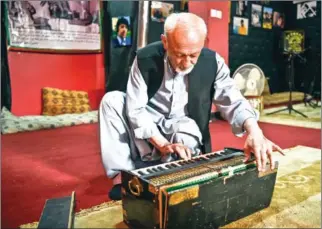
(29, 72)
(217, 39)
(306, 72)
(261, 47)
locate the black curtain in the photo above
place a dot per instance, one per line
(119, 60)
(5, 76)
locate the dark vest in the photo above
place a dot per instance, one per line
(200, 83)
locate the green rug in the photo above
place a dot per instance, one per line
(294, 119)
(296, 200)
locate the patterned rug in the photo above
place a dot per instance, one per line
(294, 119)
(296, 201)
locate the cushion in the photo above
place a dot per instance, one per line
(11, 123)
(56, 101)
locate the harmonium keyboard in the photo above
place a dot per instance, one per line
(207, 191)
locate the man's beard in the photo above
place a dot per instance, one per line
(186, 71)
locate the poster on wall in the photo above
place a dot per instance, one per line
(267, 18)
(241, 9)
(121, 35)
(306, 10)
(293, 41)
(160, 11)
(278, 20)
(240, 26)
(59, 26)
(256, 18)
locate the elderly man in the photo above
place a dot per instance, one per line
(166, 108)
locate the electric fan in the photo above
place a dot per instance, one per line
(250, 80)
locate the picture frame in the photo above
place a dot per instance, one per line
(54, 26)
(240, 26)
(160, 11)
(122, 31)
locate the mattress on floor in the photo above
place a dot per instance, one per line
(11, 123)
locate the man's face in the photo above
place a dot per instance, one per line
(183, 49)
(122, 30)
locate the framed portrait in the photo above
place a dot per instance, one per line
(54, 26)
(267, 18)
(122, 33)
(278, 20)
(241, 8)
(240, 26)
(256, 17)
(160, 11)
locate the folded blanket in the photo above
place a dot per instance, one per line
(14, 124)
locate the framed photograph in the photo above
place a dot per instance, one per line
(267, 18)
(122, 33)
(306, 10)
(160, 11)
(54, 26)
(278, 20)
(240, 26)
(241, 9)
(256, 18)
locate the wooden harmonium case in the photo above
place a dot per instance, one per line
(208, 191)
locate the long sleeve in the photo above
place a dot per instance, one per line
(136, 102)
(229, 101)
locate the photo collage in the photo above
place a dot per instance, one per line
(257, 14)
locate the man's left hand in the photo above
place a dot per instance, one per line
(260, 146)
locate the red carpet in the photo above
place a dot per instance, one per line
(52, 163)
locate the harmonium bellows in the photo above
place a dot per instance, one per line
(208, 191)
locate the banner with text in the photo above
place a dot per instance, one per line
(54, 25)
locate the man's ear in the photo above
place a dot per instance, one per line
(164, 41)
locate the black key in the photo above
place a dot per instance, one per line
(217, 155)
(155, 169)
(149, 170)
(168, 166)
(141, 173)
(160, 168)
(224, 153)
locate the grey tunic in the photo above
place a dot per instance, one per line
(127, 120)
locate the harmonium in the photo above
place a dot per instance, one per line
(207, 191)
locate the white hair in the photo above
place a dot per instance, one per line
(187, 19)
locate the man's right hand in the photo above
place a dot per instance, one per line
(177, 148)
(165, 147)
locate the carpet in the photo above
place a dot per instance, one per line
(294, 119)
(45, 164)
(296, 200)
